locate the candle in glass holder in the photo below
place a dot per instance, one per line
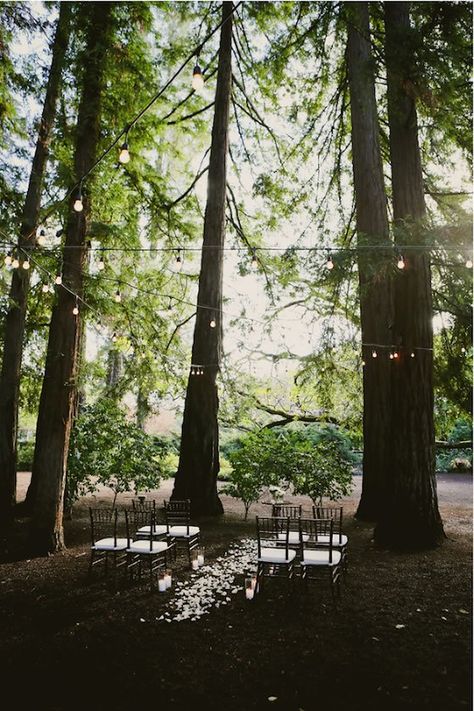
(200, 556)
(168, 578)
(195, 563)
(249, 588)
(161, 581)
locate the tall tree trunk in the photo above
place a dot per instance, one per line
(114, 369)
(14, 326)
(374, 275)
(196, 478)
(143, 408)
(58, 395)
(410, 516)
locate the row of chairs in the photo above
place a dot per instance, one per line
(319, 541)
(148, 544)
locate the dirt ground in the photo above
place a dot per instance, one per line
(400, 637)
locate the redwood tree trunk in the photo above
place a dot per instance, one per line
(196, 478)
(58, 395)
(374, 274)
(410, 516)
(14, 326)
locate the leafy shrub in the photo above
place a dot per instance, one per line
(106, 449)
(460, 464)
(26, 451)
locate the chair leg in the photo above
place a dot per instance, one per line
(91, 563)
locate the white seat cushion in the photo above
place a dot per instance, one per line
(275, 555)
(109, 544)
(293, 537)
(324, 540)
(157, 530)
(184, 531)
(320, 557)
(144, 547)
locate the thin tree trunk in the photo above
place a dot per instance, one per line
(374, 275)
(196, 478)
(114, 369)
(410, 516)
(143, 408)
(14, 326)
(58, 395)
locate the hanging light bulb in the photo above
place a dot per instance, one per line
(391, 356)
(15, 263)
(401, 262)
(198, 79)
(101, 264)
(26, 264)
(412, 354)
(374, 354)
(463, 350)
(8, 260)
(395, 355)
(75, 310)
(179, 261)
(212, 323)
(329, 263)
(118, 296)
(45, 288)
(58, 279)
(363, 363)
(469, 263)
(254, 263)
(41, 239)
(78, 204)
(114, 337)
(124, 155)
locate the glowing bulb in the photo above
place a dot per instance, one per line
(8, 260)
(469, 263)
(179, 261)
(412, 355)
(329, 263)
(75, 310)
(78, 206)
(463, 350)
(401, 262)
(118, 297)
(26, 265)
(101, 264)
(198, 79)
(374, 354)
(124, 155)
(395, 355)
(363, 363)
(45, 288)
(15, 263)
(391, 356)
(212, 323)
(254, 263)
(41, 239)
(58, 280)
(114, 337)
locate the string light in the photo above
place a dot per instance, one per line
(78, 204)
(401, 262)
(15, 263)
(363, 363)
(114, 337)
(198, 79)
(469, 263)
(75, 310)
(124, 155)
(374, 354)
(101, 263)
(395, 355)
(179, 261)
(212, 323)
(26, 264)
(463, 350)
(41, 239)
(329, 263)
(412, 354)
(391, 356)
(8, 260)
(45, 288)
(118, 296)
(58, 279)
(254, 262)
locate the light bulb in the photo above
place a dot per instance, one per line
(118, 297)
(212, 323)
(15, 263)
(124, 155)
(391, 356)
(463, 350)
(8, 260)
(412, 355)
(41, 239)
(26, 265)
(329, 263)
(395, 355)
(101, 265)
(198, 79)
(401, 262)
(58, 280)
(45, 288)
(469, 263)
(114, 337)
(179, 261)
(374, 354)
(78, 206)
(363, 363)
(75, 310)
(254, 262)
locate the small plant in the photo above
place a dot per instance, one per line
(243, 486)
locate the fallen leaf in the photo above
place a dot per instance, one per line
(399, 627)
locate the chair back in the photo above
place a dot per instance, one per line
(316, 533)
(104, 523)
(137, 518)
(178, 513)
(334, 512)
(273, 531)
(144, 504)
(284, 510)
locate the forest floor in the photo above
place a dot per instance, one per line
(400, 637)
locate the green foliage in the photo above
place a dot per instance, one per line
(107, 449)
(26, 451)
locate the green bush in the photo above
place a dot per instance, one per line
(106, 449)
(26, 451)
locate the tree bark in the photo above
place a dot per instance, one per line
(196, 478)
(374, 277)
(410, 516)
(14, 325)
(58, 395)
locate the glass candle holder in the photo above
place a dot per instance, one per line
(200, 556)
(161, 581)
(195, 561)
(249, 588)
(168, 578)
